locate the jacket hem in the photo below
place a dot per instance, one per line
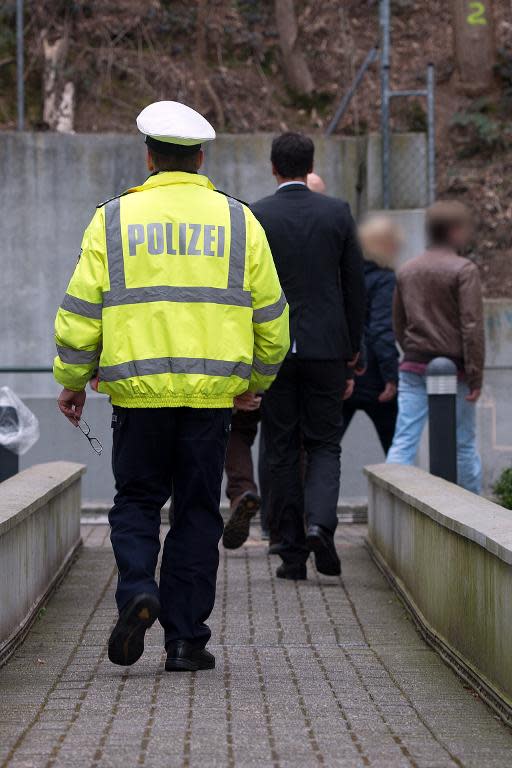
(171, 401)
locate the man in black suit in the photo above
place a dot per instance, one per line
(314, 244)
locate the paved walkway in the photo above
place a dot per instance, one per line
(316, 674)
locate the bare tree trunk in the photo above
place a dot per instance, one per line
(475, 45)
(202, 81)
(59, 97)
(296, 69)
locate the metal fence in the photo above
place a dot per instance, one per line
(404, 171)
(387, 94)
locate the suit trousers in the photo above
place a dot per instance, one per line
(304, 407)
(239, 464)
(159, 452)
(383, 416)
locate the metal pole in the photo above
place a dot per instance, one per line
(431, 136)
(442, 406)
(347, 98)
(20, 74)
(385, 63)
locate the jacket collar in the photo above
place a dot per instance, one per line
(294, 186)
(165, 178)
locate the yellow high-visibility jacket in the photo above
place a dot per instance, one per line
(175, 299)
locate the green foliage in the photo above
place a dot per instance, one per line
(319, 100)
(503, 71)
(416, 117)
(478, 130)
(503, 489)
(8, 28)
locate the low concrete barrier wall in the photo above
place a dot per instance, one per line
(449, 555)
(39, 533)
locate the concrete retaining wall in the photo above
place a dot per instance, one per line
(39, 533)
(449, 554)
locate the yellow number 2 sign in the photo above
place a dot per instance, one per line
(477, 14)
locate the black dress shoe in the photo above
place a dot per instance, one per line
(321, 543)
(292, 571)
(237, 528)
(183, 657)
(275, 548)
(126, 643)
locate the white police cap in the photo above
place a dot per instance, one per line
(173, 123)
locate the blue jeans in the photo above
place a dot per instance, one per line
(412, 415)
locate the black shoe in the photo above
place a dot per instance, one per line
(237, 527)
(183, 657)
(126, 643)
(274, 548)
(292, 571)
(321, 543)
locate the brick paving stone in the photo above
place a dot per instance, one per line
(327, 672)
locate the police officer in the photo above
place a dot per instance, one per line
(176, 301)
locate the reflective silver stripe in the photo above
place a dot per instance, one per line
(237, 247)
(441, 385)
(271, 312)
(81, 307)
(114, 245)
(171, 293)
(77, 356)
(174, 365)
(266, 369)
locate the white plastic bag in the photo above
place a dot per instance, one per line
(19, 428)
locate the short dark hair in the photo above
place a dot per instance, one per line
(292, 155)
(442, 217)
(174, 161)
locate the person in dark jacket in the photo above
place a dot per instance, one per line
(375, 390)
(316, 251)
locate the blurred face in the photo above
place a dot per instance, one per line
(390, 246)
(461, 236)
(381, 240)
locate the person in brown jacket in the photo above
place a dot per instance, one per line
(438, 312)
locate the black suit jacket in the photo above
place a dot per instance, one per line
(319, 262)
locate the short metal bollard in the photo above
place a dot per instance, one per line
(442, 406)
(9, 461)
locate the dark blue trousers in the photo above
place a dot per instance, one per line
(159, 452)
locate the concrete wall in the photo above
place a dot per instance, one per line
(39, 532)
(449, 554)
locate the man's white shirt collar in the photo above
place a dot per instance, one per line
(287, 184)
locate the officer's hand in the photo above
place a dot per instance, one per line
(71, 404)
(474, 395)
(349, 389)
(249, 401)
(388, 393)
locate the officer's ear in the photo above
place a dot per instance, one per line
(149, 161)
(199, 159)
